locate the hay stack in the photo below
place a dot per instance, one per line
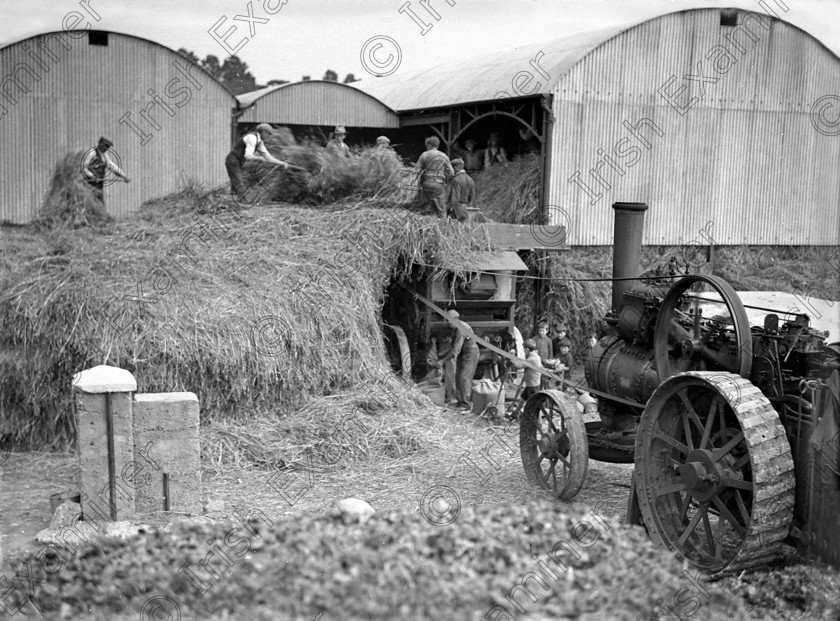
(70, 202)
(217, 316)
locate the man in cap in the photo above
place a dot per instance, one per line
(465, 352)
(435, 171)
(96, 165)
(383, 143)
(249, 148)
(337, 146)
(461, 192)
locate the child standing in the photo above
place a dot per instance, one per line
(561, 331)
(532, 377)
(545, 348)
(565, 358)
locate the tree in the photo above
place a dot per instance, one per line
(237, 78)
(212, 66)
(330, 75)
(306, 78)
(350, 79)
(190, 56)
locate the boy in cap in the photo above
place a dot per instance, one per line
(383, 143)
(337, 146)
(461, 192)
(249, 148)
(97, 164)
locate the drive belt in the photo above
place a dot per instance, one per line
(468, 333)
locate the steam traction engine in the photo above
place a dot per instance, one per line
(733, 429)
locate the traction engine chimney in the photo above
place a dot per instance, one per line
(627, 242)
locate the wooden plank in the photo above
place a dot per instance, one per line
(522, 236)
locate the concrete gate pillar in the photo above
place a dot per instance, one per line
(103, 399)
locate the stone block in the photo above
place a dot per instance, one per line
(101, 461)
(167, 453)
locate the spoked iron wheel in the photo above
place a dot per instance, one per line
(714, 473)
(724, 345)
(553, 444)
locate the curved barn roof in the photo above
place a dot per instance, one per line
(485, 77)
(316, 102)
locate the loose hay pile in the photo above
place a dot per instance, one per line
(254, 310)
(321, 177)
(70, 201)
(511, 193)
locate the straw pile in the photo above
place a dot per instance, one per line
(510, 193)
(325, 178)
(70, 202)
(258, 309)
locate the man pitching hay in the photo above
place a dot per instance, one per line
(249, 148)
(97, 164)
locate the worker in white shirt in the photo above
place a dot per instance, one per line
(247, 149)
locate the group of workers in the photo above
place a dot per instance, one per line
(445, 186)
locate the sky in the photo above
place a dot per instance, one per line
(307, 37)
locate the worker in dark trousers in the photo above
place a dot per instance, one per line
(435, 172)
(249, 148)
(461, 192)
(465, 352)
(96, 166)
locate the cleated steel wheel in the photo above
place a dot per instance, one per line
(714, 472)
(553, 444)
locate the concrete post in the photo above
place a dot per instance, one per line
(103, 399)
(167, 474)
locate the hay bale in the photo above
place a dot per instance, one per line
(70, 202)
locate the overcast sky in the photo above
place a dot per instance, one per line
(306, 37)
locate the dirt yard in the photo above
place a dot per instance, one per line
(489, 493)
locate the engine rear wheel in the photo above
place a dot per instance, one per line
(553, 444)
(714, 473)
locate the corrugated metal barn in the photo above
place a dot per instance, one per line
(61, 91)
(317, 104)
(713, 117)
